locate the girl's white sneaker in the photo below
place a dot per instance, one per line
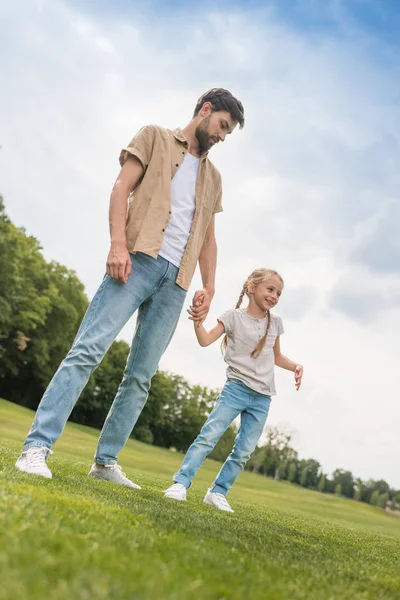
(176, 491)
(217, 500)
(33, 461)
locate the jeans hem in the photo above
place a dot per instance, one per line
(182, 479)
(103, 461)
(35, 445)
(217, 489)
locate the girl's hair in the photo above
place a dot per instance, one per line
(256, 277)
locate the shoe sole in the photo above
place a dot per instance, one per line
(173, 498)
(45, 475)
(213, 505)
(135, 486)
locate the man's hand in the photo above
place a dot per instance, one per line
(200, 306)
(119, 264)
(298, 375)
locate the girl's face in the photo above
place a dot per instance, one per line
(267, 293)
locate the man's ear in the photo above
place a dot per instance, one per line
(206, 109)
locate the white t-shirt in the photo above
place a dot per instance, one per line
(243, 334)
(183, 204)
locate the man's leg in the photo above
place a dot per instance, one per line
(228, 406)
(252, 422)
(110, 309)
(156, 324)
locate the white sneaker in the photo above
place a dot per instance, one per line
(217, 500)
(176, 491)
(112, 472)
(33, 461)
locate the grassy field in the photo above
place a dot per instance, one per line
(77, 538)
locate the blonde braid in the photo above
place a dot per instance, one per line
(258, 349)
(241, 295)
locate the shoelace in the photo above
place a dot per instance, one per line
(175, 487)
(222, 500)
(37, 456)
(116, 468)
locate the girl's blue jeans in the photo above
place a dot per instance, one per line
(235, 399)
(151, 289)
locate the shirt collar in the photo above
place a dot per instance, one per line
(178, 135)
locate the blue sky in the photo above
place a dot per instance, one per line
(340, 18)
(310, 184)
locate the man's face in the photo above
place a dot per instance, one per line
(214, 128)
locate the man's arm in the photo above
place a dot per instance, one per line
(118, 261)
(208, 263)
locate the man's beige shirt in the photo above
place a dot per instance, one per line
(161, 152)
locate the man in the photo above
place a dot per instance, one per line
(161, 216)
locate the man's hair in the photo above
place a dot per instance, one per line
(221, 99)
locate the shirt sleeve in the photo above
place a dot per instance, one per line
(280, 327)
(141, 146)
(227, 320)
(218, 202)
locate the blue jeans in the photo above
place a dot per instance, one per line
(151, 288)
(235, 399)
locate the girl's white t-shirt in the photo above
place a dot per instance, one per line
(183, 205)
(243, 334)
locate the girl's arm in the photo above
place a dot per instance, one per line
(285, 363)
(205, 338)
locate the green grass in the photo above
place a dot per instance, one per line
(77, 538)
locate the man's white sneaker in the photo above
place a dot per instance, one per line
(112, 472)
(217, 500)
(176, 491)
(33, 461)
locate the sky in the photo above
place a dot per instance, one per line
(311, 184)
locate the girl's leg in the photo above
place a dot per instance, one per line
(251, 427)
(228, 406)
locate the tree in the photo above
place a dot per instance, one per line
(274, 456)
(383, 500)
(321, 483)
(292, 472)
(309, 473)
(346, 482)
(359, 487)
(256, 459)
(304, 476)
(41, 305)
(374, 500)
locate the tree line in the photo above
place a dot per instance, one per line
(41, 306)
(276, 458)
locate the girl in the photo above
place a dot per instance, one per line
(252, 347)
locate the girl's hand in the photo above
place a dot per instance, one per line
(298, 374)
(200, 306)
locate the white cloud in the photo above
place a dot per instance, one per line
(306, 186)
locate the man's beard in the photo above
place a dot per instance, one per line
(202, 135)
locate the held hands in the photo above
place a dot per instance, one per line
(298, 374)
(119, 264)
(200, 306)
